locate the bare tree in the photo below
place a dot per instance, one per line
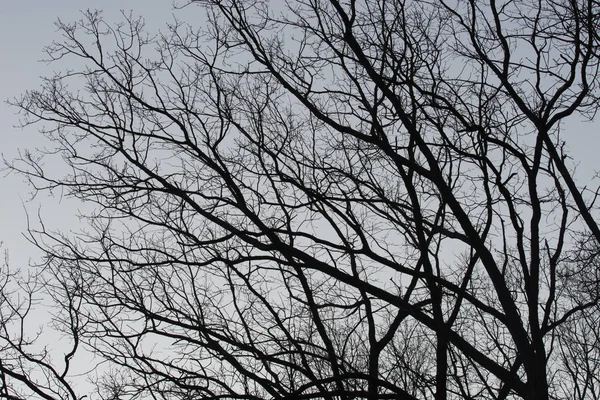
(326, 199)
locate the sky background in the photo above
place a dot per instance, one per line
(27, 26)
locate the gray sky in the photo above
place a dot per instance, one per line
(25, 28)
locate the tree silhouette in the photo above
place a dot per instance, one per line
(323, 199)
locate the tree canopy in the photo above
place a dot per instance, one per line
(318, 199)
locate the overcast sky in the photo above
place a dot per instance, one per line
(27, 26)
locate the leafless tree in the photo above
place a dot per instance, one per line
(325, 199)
